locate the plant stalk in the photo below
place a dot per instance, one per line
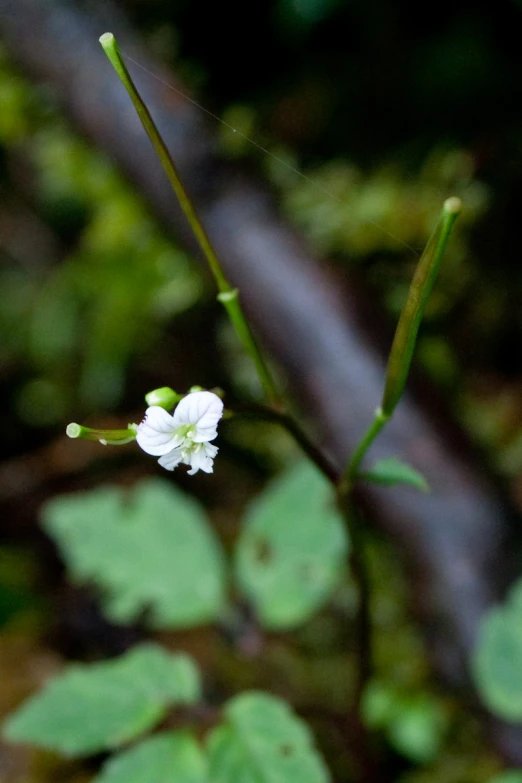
(403, 345)
(228, 296)
(399, 363)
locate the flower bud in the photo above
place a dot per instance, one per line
(165, 397)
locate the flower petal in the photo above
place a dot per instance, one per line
(170, 460)
(156, 433)
(202, 458)
(202, 410)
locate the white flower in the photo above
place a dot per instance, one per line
(184, 436)
(200, 456)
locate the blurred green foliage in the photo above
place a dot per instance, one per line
(292, 550)
(154, 556)
(261, 739)
(19, 599)
(399, 703)
(393, 471)
(169, 757)
(74, 324)
(415, 723)
(498, 658)
(151, 551)
(90, 708)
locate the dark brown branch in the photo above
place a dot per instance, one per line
(358, 561)
(455, 540)
(292, 426)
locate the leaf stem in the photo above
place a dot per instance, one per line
(228, 296)
(352, 470)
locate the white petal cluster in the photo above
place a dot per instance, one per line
(185, 436)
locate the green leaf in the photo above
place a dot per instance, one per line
(173, 757)
(497, 663)
(393, 471)
(262, 741)
(414, 722)
(418, 730)
(509, 776)
(93, 707)
(291, 552)
(150, 550)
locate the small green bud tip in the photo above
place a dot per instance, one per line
(452, 206)
(107, 39)
(164, 397)
(228, 296)
(73, 430)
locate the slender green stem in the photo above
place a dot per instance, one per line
(401, 352)
(112, 51)
(107, 437)
(230, 301)
(350, 475)
(358, 566)
(227, 295)
(363, 635)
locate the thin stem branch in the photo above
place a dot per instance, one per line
(363, 629)
(285, 420)
(358, 563)
(350, 475)
(228, 295)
